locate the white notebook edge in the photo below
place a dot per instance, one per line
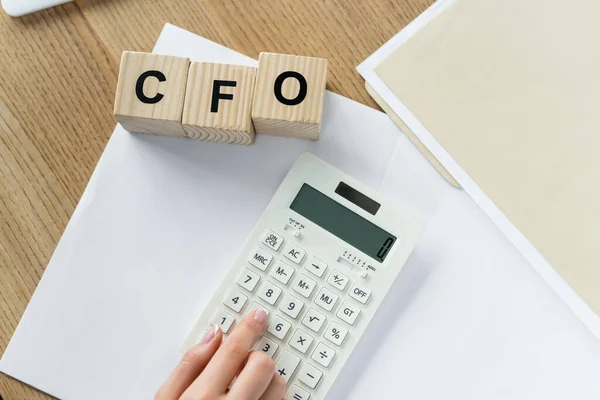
(523, 245)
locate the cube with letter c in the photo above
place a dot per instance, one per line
(218, 103)
(289, 95)
(150, 93)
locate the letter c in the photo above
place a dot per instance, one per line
(139, 87)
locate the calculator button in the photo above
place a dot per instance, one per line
(304, 285)
(267, 346)
(260, 258)
(326, 299)
(279, 327)
(282, 272)
(222, 320)
(272, 240)
(335, 333)
(348, 312)
(301, 341)
(235, 300)
(298, 394)
(323, 354)
(313, 320)
(291, 306)
(293, 253)
(315, 266)
(286, 365)
(248, 279)
(310, 376)
(269, 293)
(338, 280)
(360, 293)
(257, 306)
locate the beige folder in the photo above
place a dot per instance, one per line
(511, 90)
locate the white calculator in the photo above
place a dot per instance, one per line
(320, 261)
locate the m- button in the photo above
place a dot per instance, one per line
(293, 253)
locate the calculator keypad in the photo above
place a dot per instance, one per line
(292, 285)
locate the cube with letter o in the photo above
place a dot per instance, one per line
(289, 95)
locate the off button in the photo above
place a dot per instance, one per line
(293, 253)
(360, 293)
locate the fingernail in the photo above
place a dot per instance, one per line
(260, 316)
(209, 334)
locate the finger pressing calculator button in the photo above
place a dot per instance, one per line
(222, 320)
(335, 333)
(313, 320)
(248, 279)
(293, 253)
(291, 306)
(301, 341)
(282, 272)
(279, 327)
(310, 376)
(315, 266)
(348, 312)
(235, 300)
(260, 259)
(257, 306)
(267, 346)
(326, 299)
(304, 285)
(298, 394)
(360, 293)
(286, 365)
(338, 280)
(323, 354)
(269, 293)
(272, 240)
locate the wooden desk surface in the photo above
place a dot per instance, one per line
(58, 73)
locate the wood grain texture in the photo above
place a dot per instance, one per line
(301, 117)
(59, 73)
(231, 121)
(162, 117)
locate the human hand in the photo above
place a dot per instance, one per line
(207, 369)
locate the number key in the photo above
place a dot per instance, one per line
(269, 293)
(279, 327)
(291, 306)
(222, 320)
(248, 279)
(267, 346)
(235, 300)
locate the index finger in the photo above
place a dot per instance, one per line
(229, 359)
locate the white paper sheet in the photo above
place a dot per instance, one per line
(162, 218)
(535, 258)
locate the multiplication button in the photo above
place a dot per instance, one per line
(272, 240)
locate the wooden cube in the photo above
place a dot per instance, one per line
(150, 93)
(289, 94)
(218, 103)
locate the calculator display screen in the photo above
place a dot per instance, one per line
(343, 223)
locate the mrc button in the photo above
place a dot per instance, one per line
(360, 293)
(260, 258)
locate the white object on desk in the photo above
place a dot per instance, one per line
(343, 223)
(467, 319)
(18, 8)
